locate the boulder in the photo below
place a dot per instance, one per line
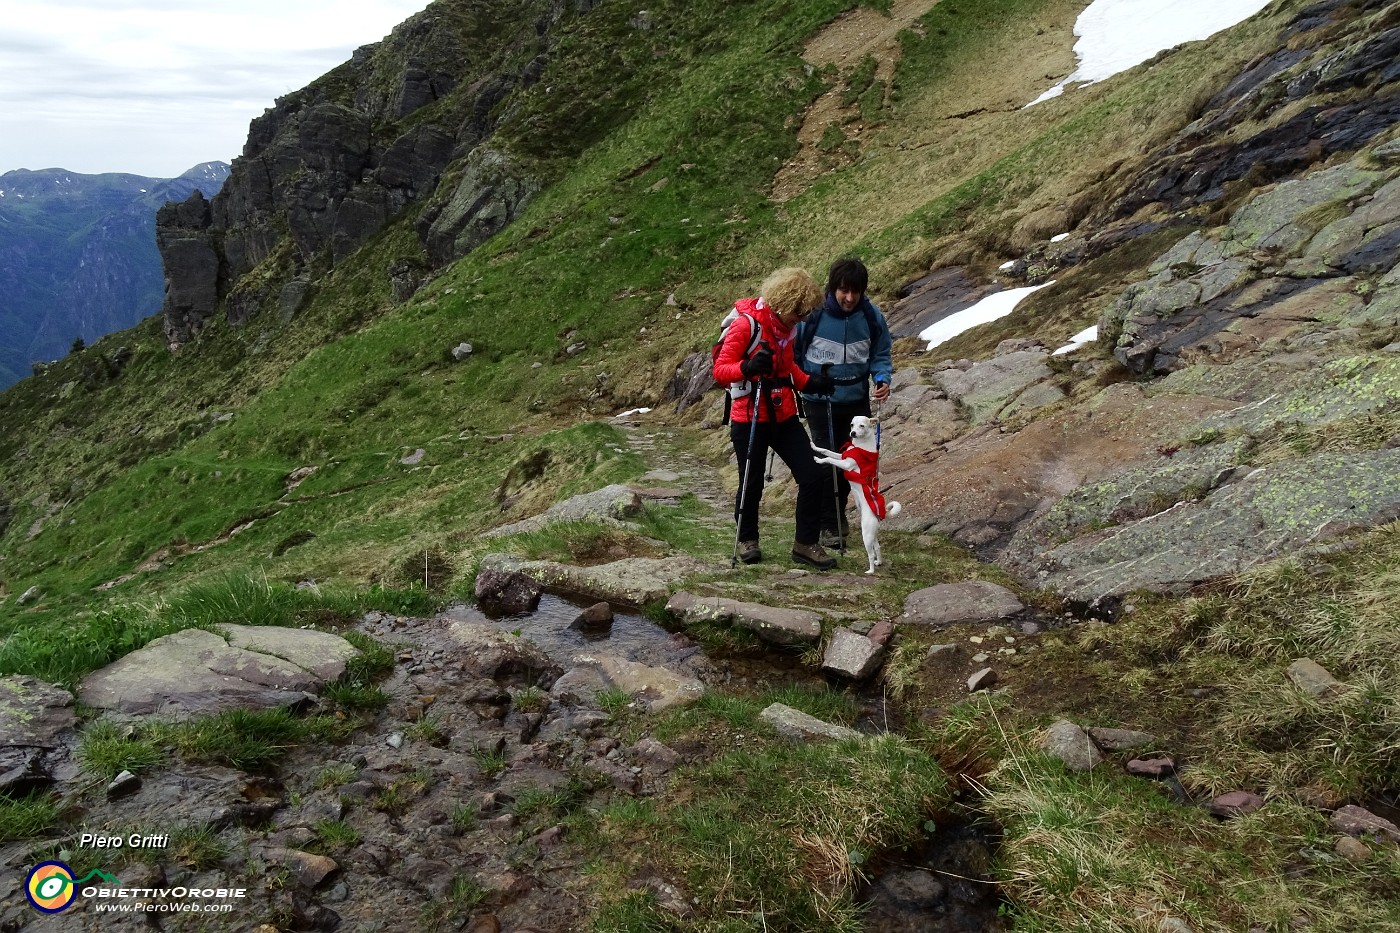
(657, 687)
(851, 655)
(1313, 679)
(1358, 821)
(197, 673)
(36, 723)
(485, 650)
(951, 603)
(796, 724)
(506, 592)
(985, 679)
(1069, 743)
(1117, 740)
(1235, 803)
(595, 619)
(774, 625)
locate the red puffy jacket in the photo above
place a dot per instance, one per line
(786, 374)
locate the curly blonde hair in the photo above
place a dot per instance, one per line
(790, 290)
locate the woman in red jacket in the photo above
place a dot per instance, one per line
(764, 417)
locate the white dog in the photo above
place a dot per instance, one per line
(860, 459)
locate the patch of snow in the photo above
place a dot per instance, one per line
(632, 411)
(1003, 267)
(1115, 35)
(1058, 237)
(1085, 337)
(991, 308)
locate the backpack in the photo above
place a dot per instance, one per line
(743, 387)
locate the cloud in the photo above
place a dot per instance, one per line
(155, 87)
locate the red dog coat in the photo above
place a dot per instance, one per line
(867, 476)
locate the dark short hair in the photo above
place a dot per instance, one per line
(847, 273)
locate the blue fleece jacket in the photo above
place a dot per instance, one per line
(830, 335)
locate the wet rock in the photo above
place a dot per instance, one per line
(1235, 803)
(851, 655)
(1069, 743)
(934, 297)
(569, 723)
(1358, 821)
(310, 870)
(658, 687)
(1313, 679)
(122, 785)
(984, 679)
(36, 723)
(486, 651)
(195, 672)
(950, 603)
(1117, 740)
(506, 592)
(778, 626)
(796, 724)
(1151, 767)
(596, 619)
(902, 901)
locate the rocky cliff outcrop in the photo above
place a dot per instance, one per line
(404, 123)
(78, 257)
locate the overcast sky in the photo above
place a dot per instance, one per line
(155, 87)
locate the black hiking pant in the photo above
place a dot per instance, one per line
(830, 425)
(788, 439)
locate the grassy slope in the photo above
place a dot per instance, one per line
(593, 261)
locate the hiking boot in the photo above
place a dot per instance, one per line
(831, 538)
(813, 556)
(749, 552)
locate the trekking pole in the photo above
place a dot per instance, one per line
(748, 465)
(835, 479)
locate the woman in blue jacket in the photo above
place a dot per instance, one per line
(849, 333)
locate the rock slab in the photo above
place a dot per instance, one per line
(796, 724)
(1069, 743)
(951, 603)
(777, 626)
(200, 673)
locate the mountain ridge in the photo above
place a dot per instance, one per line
(79, 256)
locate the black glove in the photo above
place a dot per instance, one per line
(820, 384)
(758, 365)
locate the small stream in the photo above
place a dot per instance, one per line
(942, 885)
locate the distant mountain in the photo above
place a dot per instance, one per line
(78, 256)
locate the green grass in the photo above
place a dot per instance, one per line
(250, 740)
(27, 817)
(106, 750)
(775, 835)
(335, 835)
(198, 848)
